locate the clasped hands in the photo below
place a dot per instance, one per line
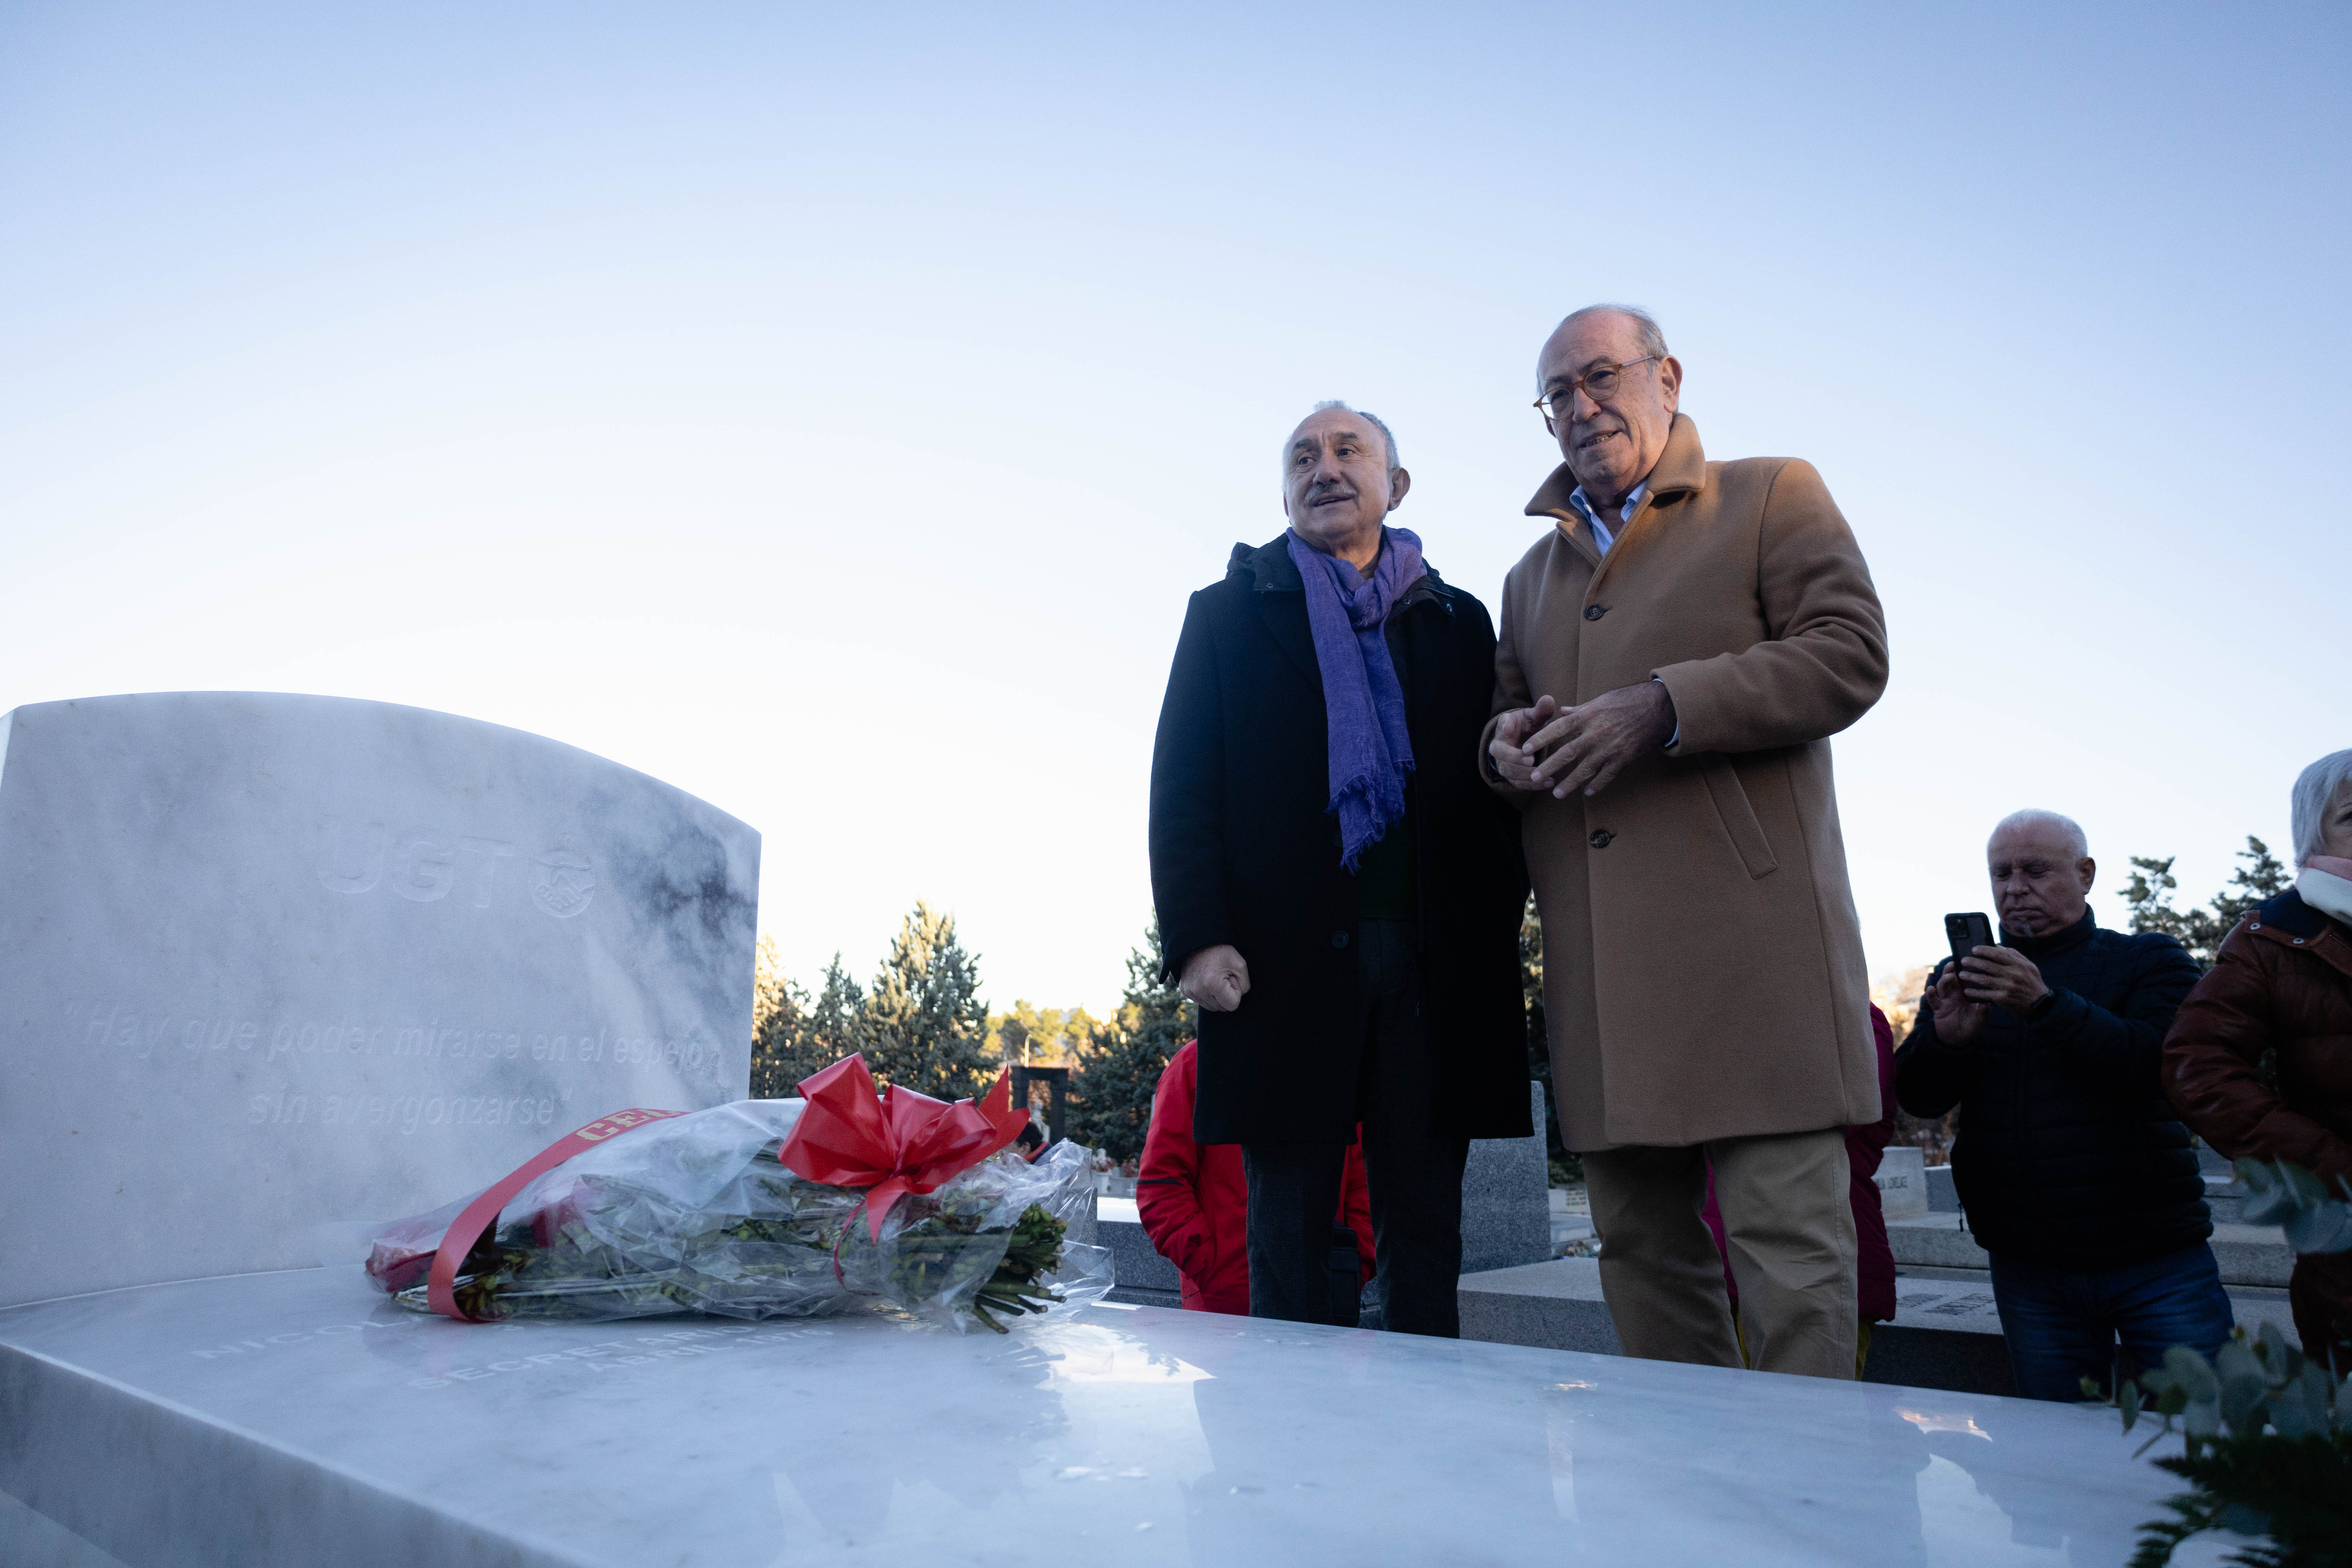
(1967, 992)
(1584, 747)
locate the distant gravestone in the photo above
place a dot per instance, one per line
(1902, 1181)
(1506, 1199)
(271, 961)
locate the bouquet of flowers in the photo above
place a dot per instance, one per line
(767, 1208)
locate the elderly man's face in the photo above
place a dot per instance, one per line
(1609, 447)
(1336, 484)
(2039, 884)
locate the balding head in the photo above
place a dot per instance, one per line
(2034, 825)
(2042, 871)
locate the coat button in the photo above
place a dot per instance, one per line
(1594, 611)
(1599, 839)
(1338, 938)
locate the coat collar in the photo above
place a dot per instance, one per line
(2289, 922)
(2052, 943)
(1271, 574)
(1681, 469)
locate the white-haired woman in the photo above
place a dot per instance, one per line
(2282, 984)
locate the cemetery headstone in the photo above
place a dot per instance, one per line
(1505, 1199)
(1902, 1181)
(274, 960)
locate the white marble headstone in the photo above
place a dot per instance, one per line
(1902, 1181)
(268, 962)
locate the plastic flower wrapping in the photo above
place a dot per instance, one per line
(696, 1214)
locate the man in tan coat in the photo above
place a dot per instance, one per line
(1674, 654)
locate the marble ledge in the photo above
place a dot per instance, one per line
(289, 1418)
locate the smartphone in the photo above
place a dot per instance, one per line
(1968, 932)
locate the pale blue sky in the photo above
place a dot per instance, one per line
(829, 409)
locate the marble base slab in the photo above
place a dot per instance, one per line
(288, 1419)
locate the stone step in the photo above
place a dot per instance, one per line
(2254, 1255)
(1946, 1333)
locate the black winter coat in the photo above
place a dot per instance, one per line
(2069, 1155)
(1244, 851)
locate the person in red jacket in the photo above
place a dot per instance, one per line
(1865, 1146)
(1194, 1201)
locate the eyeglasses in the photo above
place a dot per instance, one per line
(1599, 383)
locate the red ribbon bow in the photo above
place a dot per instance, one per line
(900, 1142)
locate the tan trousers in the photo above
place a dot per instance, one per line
(1788, 1216)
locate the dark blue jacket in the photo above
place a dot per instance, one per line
(2069, 1154)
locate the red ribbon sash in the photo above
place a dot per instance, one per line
(440, 1289)
(897, 1142)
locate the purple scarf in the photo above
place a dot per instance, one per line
(1363, 705)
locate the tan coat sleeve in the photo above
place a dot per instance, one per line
(1824, 662)
(1511, 691)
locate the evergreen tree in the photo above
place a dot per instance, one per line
(792, 1039)
(2150, 898)
(1110, 1092)
(924, 1025)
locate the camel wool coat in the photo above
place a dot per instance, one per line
(1703, 968)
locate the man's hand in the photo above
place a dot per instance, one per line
(1595, 740)
(2000, 976)
(1958, 1019)
(1508, 749)
(1215, 979)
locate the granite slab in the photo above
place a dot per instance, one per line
(1505, 1198)
(270, 961)
(288, 1419)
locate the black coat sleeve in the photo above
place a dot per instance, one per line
(2128, 1043)
(1930, 1077)
(1188, 799)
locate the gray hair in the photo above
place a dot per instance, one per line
(2307, 804)
(1366, 414)
(2035, 816)
(1645, 326)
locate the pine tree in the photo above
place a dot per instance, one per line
(2150, 898)
(924, 1025)
(792, 1039)
(1110, 1092)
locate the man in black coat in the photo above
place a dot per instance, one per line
(2076, 1172)
(1337, 890)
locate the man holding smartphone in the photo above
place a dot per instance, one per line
(2076, 1174)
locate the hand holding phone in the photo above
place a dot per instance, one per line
(1957, 1018)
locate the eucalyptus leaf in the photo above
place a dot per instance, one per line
(2192, 1373)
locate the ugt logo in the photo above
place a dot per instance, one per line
(561, 882)
(424, 866)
